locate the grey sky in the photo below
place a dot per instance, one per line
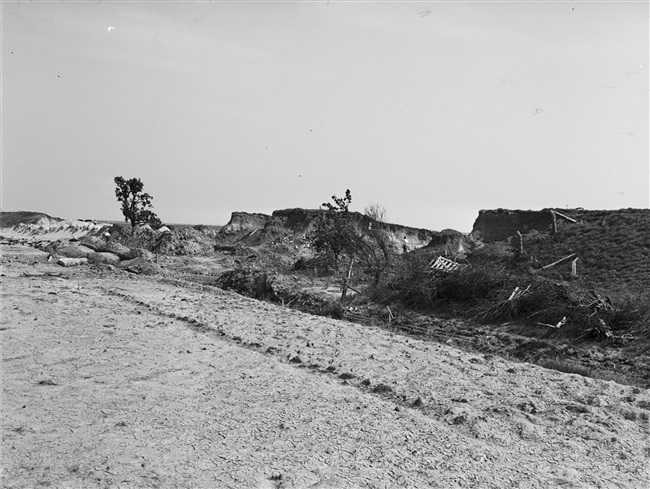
(435, 110)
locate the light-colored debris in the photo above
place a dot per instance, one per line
(561, 323)
(570, 219)
(545, 267)
(72, 262)
(517, 293)
(445, 265)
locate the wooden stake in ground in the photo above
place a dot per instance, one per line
(574, 267)
(554, 222)
(521, 243)
(346, 280)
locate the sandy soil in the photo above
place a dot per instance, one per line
(115, 380)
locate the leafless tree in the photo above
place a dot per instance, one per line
(376, 211)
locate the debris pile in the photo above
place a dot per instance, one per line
(558, 305)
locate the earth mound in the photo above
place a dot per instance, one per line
(11, 219)
(32, 227)
(612, 246)
(245, 222)
(500, 224)
(298, 223)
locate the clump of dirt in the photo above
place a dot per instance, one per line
(102, 244)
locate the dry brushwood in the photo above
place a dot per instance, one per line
(562, 322)
(553, 306)
(505, 309)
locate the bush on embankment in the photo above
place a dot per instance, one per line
(491, 293)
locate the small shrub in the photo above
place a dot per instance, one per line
(376, 212)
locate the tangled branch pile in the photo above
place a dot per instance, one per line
(495, 295)
(559, 305)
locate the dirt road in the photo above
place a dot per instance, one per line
(116, 380)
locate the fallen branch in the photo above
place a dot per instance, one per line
(556, 326)
(559, 261)
(390, 314)
(517, 293)
(355, 290)
(521, 243)
(554, 221)
(564, 217)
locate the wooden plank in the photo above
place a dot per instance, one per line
(521, 243)
(559, 261)
(444, 264)
(564, 217)
(554, 221)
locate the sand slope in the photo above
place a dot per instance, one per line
(114, 380)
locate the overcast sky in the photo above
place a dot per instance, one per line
(433, 109)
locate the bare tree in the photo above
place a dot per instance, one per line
(375, 211)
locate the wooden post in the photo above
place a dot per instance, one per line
(346, 279)
(521, 243)
(574, 267)
(554, 222)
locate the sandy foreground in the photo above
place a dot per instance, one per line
(115, 380)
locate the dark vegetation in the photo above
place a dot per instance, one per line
(135, 203)
(337, 234)
(496, 295)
